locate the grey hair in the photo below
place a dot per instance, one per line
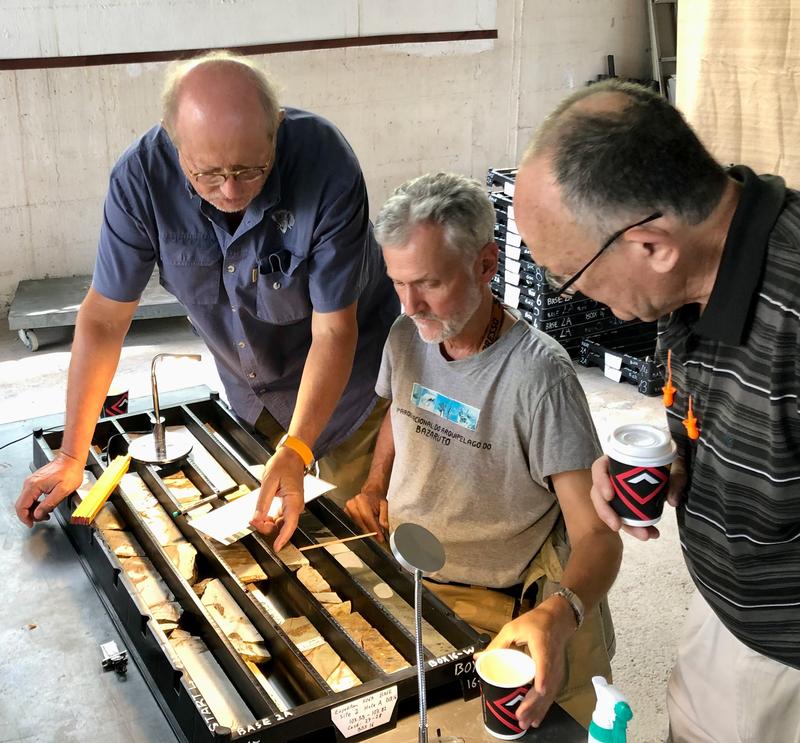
(617, 163)
(457, 203)
(266, 88)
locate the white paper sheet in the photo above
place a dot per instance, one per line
(231, 522)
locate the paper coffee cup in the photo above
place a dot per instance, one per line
(639, 458)
(116, 403)
(505, 676)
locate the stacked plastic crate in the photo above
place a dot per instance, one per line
(587, 329)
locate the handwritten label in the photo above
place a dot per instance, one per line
(470, 688)
(264, 722)
(365, 714)
(454, 656)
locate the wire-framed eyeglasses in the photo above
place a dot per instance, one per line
(563, 285)
(243, 175)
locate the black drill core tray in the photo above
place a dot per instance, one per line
(309, 716)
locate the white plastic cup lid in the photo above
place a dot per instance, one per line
(641, 444)
(505, 667)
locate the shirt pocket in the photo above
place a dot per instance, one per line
(282, 295)
(192, 272)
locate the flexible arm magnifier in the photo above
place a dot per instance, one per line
(421, 553)
(155, 448)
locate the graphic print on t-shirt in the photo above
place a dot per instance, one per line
(445, 407)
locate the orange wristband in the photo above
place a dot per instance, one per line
(298, 446)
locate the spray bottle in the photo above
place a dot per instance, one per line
(611, 715)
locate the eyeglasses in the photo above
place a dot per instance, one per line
(244, 175)
(563, 285)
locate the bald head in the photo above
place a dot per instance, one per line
(619, 151)
(222, 115)
(599, 99)
(220, 90)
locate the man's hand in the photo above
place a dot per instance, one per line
(370, 510)
(56, 480)
(545, 631)
(602, 493)
(283, 478)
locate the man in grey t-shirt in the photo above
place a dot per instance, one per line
(488, 443)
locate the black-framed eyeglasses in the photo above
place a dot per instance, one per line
(563, 285)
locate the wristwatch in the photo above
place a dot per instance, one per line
(299, 447)
(574, 602)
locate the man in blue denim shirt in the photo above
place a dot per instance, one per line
(257, 219)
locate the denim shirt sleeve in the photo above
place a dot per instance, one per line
(341, 241)
(125, 255)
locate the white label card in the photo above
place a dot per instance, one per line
(613, 361)
(513, 240)
(511, 226)
(508, 189)
(511, 296)
(230, 522)
(511, 212)
(613, 374)
(512, 278)
(512, 265)
(365, 714)
(514, 252)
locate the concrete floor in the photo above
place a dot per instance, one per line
(648, 601)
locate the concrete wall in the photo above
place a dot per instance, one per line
(52, 28)
(465, 106)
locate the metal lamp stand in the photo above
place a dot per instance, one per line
(154, 448)
(421, 553)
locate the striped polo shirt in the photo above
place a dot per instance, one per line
(740, 521)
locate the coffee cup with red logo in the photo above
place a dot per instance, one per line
(639, 460)
(505, 677)
(116, 402)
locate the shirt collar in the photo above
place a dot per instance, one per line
(727, 315)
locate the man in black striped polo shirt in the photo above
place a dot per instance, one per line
(715, 254)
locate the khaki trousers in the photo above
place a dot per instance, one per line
(721, 691)
(589, 651)
(347, 465)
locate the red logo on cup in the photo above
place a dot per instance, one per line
(640, 483)
(504, 709)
